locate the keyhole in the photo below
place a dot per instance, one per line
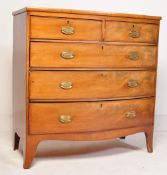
(101, 105)
(68, 22)
(102, 47)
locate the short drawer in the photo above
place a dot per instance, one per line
(71, 55)
(74, 117)
(63, 28)
(131, 32)
(75, 85)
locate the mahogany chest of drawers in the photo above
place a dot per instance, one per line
(81, 75)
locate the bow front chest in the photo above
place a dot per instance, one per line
(81, 75)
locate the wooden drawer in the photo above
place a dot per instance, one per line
(62, 85)
(89, 116)
(131, 32)
(70, 55)
(64, 28)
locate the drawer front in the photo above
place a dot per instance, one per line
(89, 116)
(63, 28)
(62, 85)
(70, 55)
(131, 32)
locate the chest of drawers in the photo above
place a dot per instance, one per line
(80, 75)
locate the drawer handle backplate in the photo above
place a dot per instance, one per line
(134, 56)
(134, 34)
(131, 114)
(67, 30)
(67, 55)
(65, 119)
(133, 83)
(66, 85)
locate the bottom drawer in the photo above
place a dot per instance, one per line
(72, 117)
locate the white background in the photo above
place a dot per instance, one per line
(147, 7)
(101, 158)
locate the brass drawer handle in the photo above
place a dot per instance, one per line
(134, 33)
(65, 119)
(134, 56)
(131, 114)
(67, 55)
(66, 85)
(67, 30)
(133, 83)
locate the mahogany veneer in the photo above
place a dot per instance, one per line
(81, 75)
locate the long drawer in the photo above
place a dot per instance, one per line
(131, 32)
(64, 28)
(89, 116)
(61, 85)
(71, 55)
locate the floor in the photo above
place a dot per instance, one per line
(115, 157)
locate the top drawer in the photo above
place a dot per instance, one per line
(131, 32)
(64, 28)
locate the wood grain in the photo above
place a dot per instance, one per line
(90, 84)
(121, 30)
(48, 54)
(84, 12)
(50, 28)
(89, 116)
